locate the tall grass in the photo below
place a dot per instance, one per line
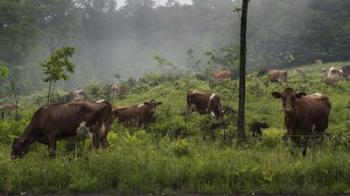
(153, 160)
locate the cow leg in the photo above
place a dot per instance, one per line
(52, 146)
(304, 145)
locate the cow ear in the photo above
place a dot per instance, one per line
(159, 103)
(276, 95)
(299, 95)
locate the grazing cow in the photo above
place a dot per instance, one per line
(139, 114)
(257, 127)
(6, 109)
(204, 103)
(333, 75)
(57, 121)
(115, 91)
(299, 72)
(278, 76)
(304, 115)
(77, 95)
(346, 70)
(222, 74)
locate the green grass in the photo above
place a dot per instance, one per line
(151, 160)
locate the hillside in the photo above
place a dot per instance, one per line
(153, 160)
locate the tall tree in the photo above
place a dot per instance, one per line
(242, 72)
(57, 67)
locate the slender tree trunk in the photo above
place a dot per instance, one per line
(49, 94)
(242, 73)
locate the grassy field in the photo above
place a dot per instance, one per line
(152, 160)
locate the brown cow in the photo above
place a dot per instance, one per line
(276, 75)
(115, 91)
(204, 103)
(139, 114)
(222, 74)
(333, 75)
(6, 109)
(57, 121)
(304, 115)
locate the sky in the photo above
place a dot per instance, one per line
(159, 2)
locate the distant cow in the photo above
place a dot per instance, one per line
(346, 70)
(57, 121)
(139, 114)
(276, 75)
(204, 103)
(305, 116)
(6, 109)
(222, 74)
(77, 95)
(115, 91)
(318, 62)
(299, 72)
(257, 127)
(333, 75)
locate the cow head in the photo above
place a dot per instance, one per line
(289, 97)
(152, 105)
(19, 148)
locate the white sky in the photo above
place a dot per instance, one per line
(158, 2)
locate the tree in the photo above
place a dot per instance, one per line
(242, 72)
(57, 67)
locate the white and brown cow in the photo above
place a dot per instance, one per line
(204, 103)
(141, 114)
(333, 75)
(58, 121)
(276, 75)
(115, 91)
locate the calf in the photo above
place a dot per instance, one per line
(57, 121)
(77, 95)
(139, 114)
(115, 91)
(257, 127)
(204, 103)
(305, 116)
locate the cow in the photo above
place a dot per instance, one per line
(204, 103)
(6, 108)
(62, 120)
(222, 74)
(318, 62)
(276, 75)
(141, 114)
(305, 116)
(257, 127)
(115, 91)
(299, 72)
(333, 75)
(346, 70)
(77, 95)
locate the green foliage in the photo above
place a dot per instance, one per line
(178, 153)
(58, 65)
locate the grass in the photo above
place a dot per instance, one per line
(152, 160)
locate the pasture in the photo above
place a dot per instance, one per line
(180, 154)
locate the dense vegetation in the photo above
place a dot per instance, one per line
(111, 37)
(179, 153)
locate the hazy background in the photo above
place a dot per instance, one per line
(123, 37)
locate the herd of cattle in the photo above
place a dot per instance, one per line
(306, 116)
